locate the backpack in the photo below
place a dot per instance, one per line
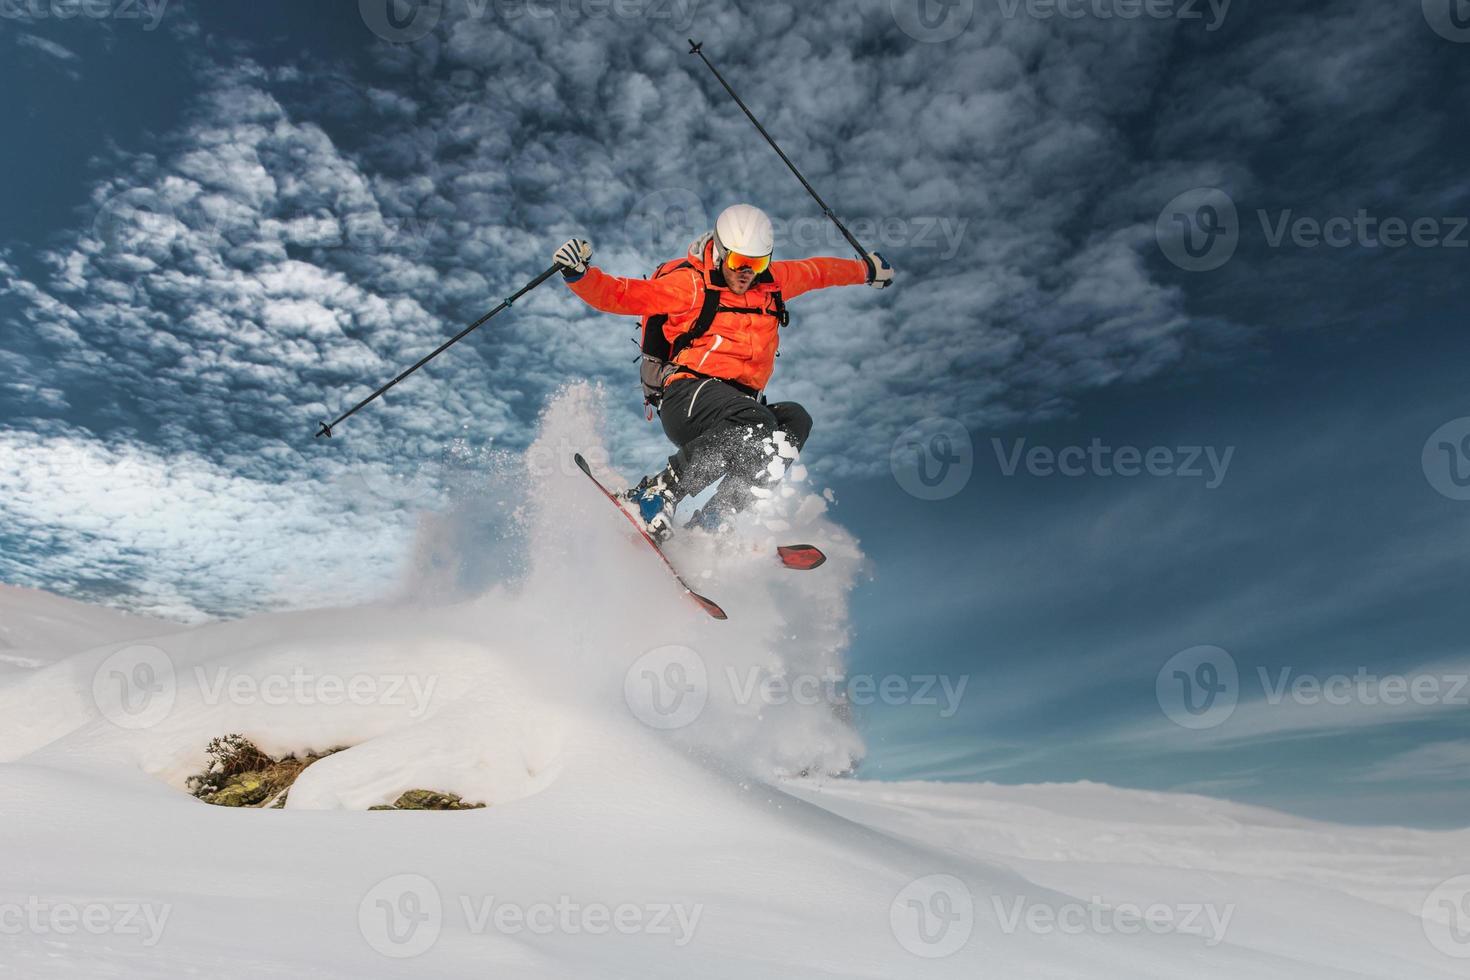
(656, 362)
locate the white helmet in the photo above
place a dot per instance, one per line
(746, 229)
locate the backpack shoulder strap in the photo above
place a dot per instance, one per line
(782, 316)
(700, 326)
(655, 344)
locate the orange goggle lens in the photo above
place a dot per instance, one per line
(757, 263)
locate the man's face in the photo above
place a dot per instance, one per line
(738, 280)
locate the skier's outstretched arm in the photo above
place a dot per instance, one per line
(797, 276)
(677, 292)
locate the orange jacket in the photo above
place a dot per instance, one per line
(739, 347)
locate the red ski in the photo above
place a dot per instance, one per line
(802, 557)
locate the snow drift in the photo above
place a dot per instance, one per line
(638, 822)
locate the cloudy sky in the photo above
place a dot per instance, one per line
(1159, 441)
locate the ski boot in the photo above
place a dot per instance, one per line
(656, 499)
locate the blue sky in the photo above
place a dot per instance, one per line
(1231, 232)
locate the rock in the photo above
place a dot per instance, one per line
(246, 789)
(425, 799)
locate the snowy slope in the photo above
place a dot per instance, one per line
(37, 628)
(627, 834)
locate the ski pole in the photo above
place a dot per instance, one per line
(857, 246)
(505, 304)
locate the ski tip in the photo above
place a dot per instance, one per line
(708, 605)
(801, 556)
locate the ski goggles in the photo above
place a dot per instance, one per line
(755, 263)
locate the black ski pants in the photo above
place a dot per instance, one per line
(721, 430)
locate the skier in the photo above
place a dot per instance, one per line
(712, 324)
